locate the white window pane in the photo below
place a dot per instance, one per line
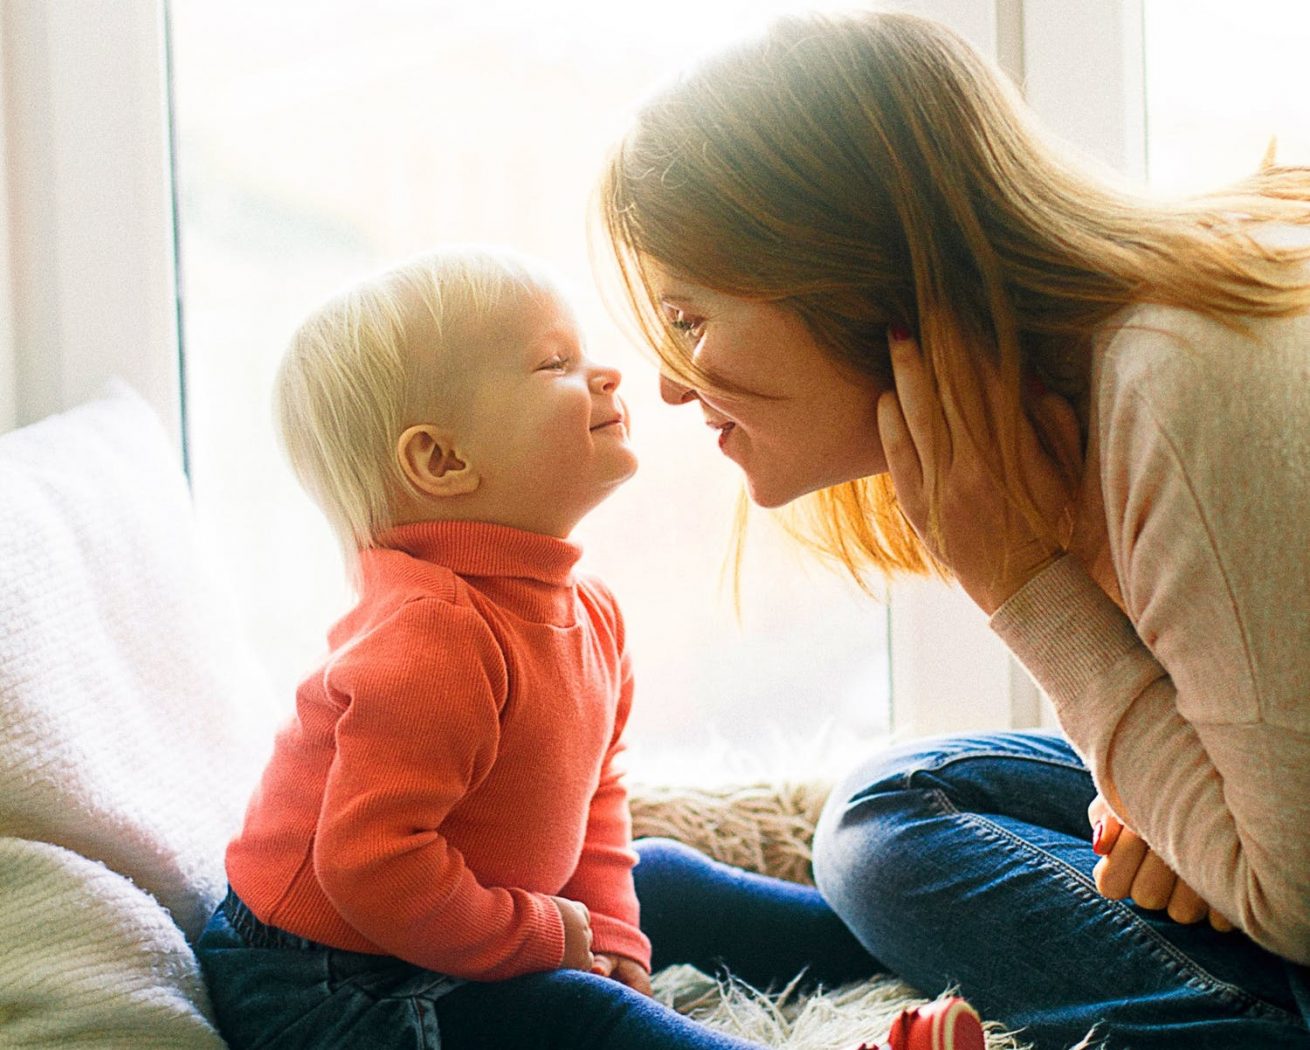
(319, 140)
(1222, 79)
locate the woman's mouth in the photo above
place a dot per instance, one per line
(724, 430)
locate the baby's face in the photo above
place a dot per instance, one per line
(545, 427)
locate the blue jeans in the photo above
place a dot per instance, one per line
(272, 989)
(966, 861)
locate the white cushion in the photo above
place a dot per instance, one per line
(103, 967)
(133, 719)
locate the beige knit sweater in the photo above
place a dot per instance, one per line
(1179, 664)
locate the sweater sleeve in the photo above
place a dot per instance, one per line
(603, 877)
(422, 695)
(1193, 700)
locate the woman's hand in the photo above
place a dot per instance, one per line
(624, 970)
(1130, 868)
(976, 520)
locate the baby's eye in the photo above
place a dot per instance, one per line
(558, 363)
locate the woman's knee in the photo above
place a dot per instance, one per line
(900, 808)
(859, 822)
(861, 837)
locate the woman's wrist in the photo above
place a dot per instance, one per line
(1000, 591)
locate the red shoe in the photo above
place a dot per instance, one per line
(948, 1024)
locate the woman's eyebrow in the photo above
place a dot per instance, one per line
(675, 300)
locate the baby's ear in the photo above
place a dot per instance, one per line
(428, 458)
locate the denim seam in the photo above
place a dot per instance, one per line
(358, 982)
(418, 1005)
(1169, 955)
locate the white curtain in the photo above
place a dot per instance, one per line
(8, 400)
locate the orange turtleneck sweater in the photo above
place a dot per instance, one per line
(451, 765)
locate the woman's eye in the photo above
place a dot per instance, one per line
(688, 327)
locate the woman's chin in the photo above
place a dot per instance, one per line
(770, 498)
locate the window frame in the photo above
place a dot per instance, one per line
(91, 288)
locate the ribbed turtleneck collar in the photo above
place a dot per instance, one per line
(480, 549)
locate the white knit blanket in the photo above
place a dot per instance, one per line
(132, 724)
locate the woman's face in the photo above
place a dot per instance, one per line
(806, 422)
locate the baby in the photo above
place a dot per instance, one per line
(438, 853)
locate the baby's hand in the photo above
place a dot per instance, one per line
(624, 970)
(1130, 868)
(577, 934)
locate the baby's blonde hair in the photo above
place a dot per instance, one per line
(364, 365)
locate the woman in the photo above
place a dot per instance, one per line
(888, 296)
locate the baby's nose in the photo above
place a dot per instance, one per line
(605, 379)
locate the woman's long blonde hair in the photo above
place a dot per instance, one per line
(870, 170)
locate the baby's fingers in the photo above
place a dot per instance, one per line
(633, 975)
(1219, 922)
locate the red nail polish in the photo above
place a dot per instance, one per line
(1098, 839)
(898, 332)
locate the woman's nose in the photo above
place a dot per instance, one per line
(673, 392)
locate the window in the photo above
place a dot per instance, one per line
(320, 140)
(266, 235)
(1222, 80)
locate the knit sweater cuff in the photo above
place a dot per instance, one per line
(1066, 631)
(619, 938)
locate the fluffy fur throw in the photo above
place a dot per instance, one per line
(768, 827)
